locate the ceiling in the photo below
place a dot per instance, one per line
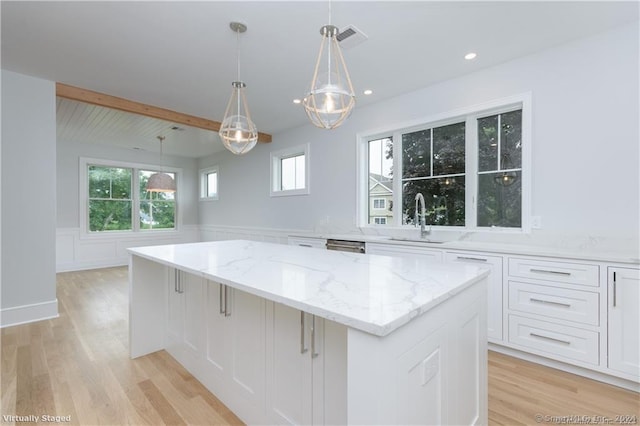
(182, 55)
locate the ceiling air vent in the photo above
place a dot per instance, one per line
(350, 36)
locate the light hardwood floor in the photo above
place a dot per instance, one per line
(77, 365)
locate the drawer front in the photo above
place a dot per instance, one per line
(553, 340)
(566, 304)
(307, 242)
(404, 251)
(563, 272)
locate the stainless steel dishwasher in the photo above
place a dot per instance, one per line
(346, 245)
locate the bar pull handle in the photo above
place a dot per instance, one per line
(175, 281)
(549, 302)
(227, 309)
(615, 296)
(221, 296)
(305, 245)
(546, 271)
(553, 339)
(303, 345)
(473, 259)
(314, 354)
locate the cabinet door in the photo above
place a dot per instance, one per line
(245, 339)
(216, 350)
(289, 369)
(191, 288)
(494, 296)
(175, 317)
(624, 320)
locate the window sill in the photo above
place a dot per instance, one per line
(129, 235)
(289, 192)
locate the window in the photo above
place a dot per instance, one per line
(470, 166)
(115, 194)
(290, 171)
(379, 203)
(209, 184)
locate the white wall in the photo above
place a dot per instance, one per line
(28, 199)
(585, 145)
(74, 250)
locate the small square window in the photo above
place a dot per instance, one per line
(380, 220)
(209, 184)
(379, 203)
(290, 171)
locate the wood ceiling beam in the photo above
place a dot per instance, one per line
(121, 104)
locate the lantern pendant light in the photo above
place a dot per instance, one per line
(238, 133)
(161, 182)
(331, 98)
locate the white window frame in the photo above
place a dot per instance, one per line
(379, 217)
(470, 116)
(276, 170)
(384, 203)
(204, 183)
(83, 186)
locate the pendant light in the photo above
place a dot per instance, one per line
(331, 98)
(238, 133)
(161, 182)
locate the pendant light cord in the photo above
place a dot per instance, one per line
(238, 65)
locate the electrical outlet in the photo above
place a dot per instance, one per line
(536, 222)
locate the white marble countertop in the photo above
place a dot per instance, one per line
(375, 294)
(589, 251)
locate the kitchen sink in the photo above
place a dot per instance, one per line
(417, 240)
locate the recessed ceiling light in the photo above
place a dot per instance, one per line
(469, 56)
(296, 101)
(368, 92)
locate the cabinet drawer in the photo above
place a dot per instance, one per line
(566, 304)
(554, 340)
(404, 251)
(307, 242)
(563, 272)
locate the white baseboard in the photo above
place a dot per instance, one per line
(580, 371)
(28, 313)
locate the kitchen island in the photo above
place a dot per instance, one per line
(290, 335)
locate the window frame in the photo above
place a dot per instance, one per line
(276, 158)
(204, 183)
(384, 203)
(470, 115)
(83, 189)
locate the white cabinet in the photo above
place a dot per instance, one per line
(184, 316)
(234, 357)
(624, 321)
(306, 368)
(553, 309)
(308, 242)
(423, 253)
(494, 292)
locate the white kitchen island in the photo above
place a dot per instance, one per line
(290, 335)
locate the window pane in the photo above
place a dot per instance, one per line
(511, 140)
(444, 200)
(499, 199)
(488, 143)
(157, 214)
(212, 184)
(448, 149)
(380, 181)
(109, 215)
(416, 154)
(300, 172)
(109, 182)
(143, 177)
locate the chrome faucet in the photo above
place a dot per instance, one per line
(422, 216)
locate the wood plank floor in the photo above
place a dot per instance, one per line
(78, 366)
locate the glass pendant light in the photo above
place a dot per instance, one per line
(238, 133)
(161, 182)
(331, 98)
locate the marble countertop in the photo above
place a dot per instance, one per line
(578, 251)
(372, 293)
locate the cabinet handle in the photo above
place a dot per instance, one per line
(474, 259)
(221, 297)
(175, 280)
(314, 354)
(545, 271)
(227, 310)
(566, 305)
(615, 296)
(179, 282)
(566, 342)
(303, 345)
(305, 245)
